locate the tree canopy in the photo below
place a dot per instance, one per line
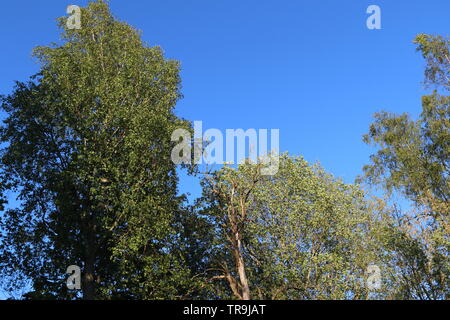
(88, 152)
(86, 149)
(413, 159)
(300, 234)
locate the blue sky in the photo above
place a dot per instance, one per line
(309, 68)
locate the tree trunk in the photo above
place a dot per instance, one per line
(240, 265)
(88, 283)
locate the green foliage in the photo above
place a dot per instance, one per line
(414, 258)
(435, 50)
(413, 158)
(305, 234)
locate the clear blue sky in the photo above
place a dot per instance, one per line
(309, 68)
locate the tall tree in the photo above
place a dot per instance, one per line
(88, 151)
(413, 159)
(300, 234)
